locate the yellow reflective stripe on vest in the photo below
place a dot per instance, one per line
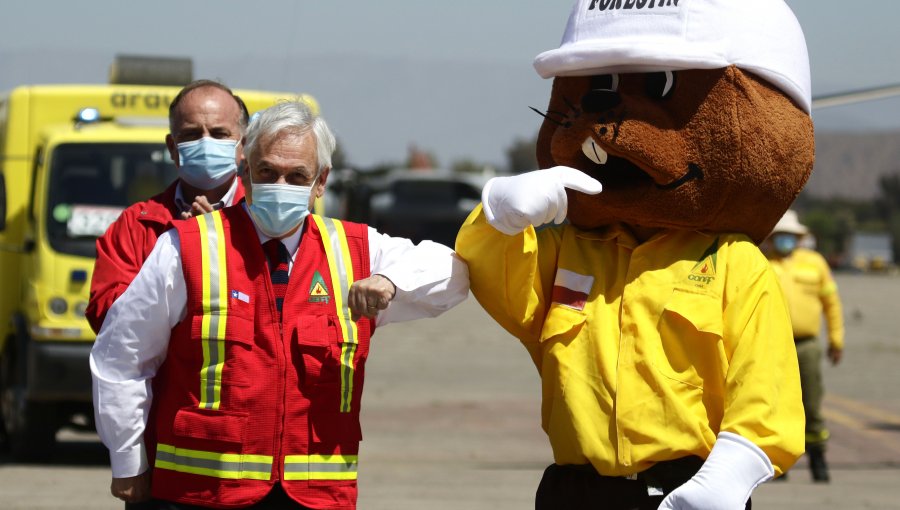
(215, 308)
(218, 465)
(320, 467)
(340, 265)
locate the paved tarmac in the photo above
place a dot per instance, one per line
(451, 420)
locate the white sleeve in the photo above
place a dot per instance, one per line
(430, 277)
(130, 347)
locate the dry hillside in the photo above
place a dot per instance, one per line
(848, 165)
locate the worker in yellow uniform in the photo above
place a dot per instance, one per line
(810, 291)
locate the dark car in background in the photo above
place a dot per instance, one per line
(423, 205)
(417, 204)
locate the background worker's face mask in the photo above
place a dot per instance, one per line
(207, 163)
(279, 208)
(784, 244)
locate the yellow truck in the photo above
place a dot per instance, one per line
(72, 157)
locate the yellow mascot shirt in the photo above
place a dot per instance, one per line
(646, 351)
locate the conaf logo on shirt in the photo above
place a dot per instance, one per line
(610, 5)
(318, 291)
(704, 271)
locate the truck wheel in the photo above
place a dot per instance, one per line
(30, 426)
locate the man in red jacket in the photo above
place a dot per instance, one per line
(206, 124)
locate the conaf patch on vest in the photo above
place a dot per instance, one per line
(318, 291)
(704, 271)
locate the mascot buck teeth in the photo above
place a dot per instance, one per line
(677, 134)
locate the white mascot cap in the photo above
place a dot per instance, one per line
(618, 36)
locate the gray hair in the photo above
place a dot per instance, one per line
(295, 117)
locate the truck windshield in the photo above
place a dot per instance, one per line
(91, 184)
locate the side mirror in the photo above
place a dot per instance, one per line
(2, 202)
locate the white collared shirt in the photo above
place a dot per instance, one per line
(184, 205)
(132, 344)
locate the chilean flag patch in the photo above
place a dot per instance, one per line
(572, 289)
(240, 296)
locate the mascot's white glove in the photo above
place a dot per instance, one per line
(734, 468)
(513, 203)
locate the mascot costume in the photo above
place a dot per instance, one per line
(677, 134)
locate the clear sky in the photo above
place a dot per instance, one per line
(454, 78)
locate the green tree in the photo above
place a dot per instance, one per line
(339, 158)
(832, 227)
(467, 166)
(521, 156)
(834, 220)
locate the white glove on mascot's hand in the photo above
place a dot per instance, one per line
(734, 468)
(513, 203)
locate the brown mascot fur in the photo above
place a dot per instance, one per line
(669, 372)
(723, 151)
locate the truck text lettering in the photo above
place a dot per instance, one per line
(133, 99)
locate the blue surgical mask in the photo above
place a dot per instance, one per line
(207, 163)
(278, 208)
(784, 244)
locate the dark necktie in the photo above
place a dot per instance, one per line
(278, 257)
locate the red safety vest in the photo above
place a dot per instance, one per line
(126, 244)
(243, 402)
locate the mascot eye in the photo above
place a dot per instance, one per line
(660, 84)
(605, 82)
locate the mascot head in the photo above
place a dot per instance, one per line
(693, 114)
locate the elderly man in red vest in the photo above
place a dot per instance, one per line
(231, 369)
